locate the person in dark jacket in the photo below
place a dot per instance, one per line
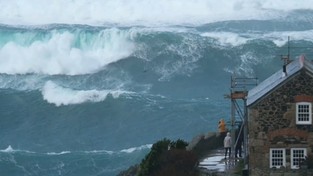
(238, 147)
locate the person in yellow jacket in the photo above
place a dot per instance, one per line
(222, 128)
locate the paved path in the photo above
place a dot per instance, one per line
(216, 163)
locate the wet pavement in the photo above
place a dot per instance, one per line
(216, 163)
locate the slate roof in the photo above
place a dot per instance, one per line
(278, 78)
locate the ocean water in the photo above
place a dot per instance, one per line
(87, 86)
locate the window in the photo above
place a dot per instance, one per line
(277, 157)
(297, 155)
(304, 114)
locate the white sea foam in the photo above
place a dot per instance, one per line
(59, 95)
(148, 12)
(133, 149)
(227, 38)
(9, 149)
(245, 66)
(280, 38)
(17, 82)
(59, 55)
(247, 61)
(129, 150)
(189, 54)
(101, 151)
(58, 153)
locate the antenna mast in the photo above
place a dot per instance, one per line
(286, 58)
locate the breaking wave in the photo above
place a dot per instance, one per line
(58, 95)
(149, 12)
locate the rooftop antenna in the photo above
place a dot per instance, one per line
(286, 58)
(288, 48)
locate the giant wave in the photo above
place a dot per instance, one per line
(79, 89)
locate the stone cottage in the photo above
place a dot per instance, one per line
(280, 131)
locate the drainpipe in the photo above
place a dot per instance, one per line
(245, 141)
(233, 128)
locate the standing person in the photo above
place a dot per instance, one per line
(227, 144)
(238, 146)
(222, 128)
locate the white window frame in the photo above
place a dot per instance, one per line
(294, 156)
(281, 155)
(304, 109)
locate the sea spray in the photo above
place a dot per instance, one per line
(87, 91)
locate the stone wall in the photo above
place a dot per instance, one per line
(272, 124)
(203, 144)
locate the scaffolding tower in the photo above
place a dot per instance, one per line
(239, 119)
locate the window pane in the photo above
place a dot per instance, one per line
(277, 157)
(297, 156)
(304, 113)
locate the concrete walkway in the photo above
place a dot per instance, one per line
(216, 164)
